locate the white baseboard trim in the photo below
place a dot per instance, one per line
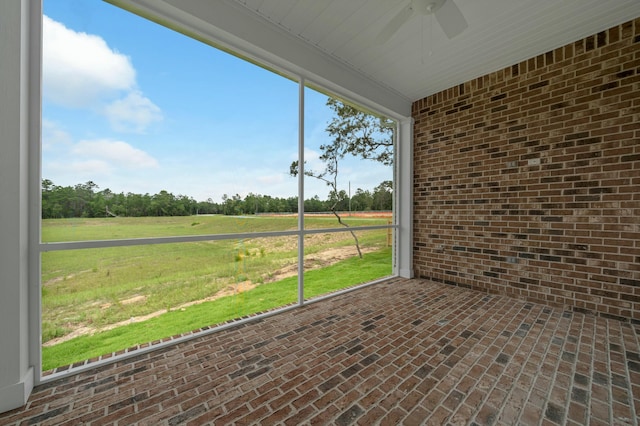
(17, 394)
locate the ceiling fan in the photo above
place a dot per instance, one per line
(446, 12)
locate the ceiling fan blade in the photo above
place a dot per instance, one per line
(451, 19)
(394, 24)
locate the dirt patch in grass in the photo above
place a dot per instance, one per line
(62, 278)
(316, 260)
(129, 301)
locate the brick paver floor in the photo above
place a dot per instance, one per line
(399, 352)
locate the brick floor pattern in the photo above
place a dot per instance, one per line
(399, 352)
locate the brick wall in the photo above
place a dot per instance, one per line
(527, 180)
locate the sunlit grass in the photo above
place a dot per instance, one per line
(94, 288)
(264, 297)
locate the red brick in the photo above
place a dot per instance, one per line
(570, 361)
(478, 195)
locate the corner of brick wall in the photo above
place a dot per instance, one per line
(527, 180)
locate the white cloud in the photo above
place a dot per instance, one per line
(81, 71)
(80, 68)
(90, 168)
(115, 154)
(53, 135)
(272, 179)
(313, 161)
(134, 112)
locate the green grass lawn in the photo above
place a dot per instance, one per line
(262, 298)
(85, 229)
(91, 289)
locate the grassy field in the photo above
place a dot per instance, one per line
(341, 275)
(81, 229)
(91, 297)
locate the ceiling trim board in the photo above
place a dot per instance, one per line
(232, 26)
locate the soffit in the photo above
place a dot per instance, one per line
(419, 59)
(333, 42)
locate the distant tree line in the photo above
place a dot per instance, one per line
(87, 200)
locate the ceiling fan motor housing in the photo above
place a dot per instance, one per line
(427, 7)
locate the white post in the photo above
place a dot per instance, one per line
(301, 90)
(349, 198)
(20, 23)
(404, 198)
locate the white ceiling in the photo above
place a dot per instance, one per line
(334, 40)
(420, 60)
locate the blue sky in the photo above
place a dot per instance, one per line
(135, 107)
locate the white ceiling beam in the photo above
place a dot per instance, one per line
(233, 27)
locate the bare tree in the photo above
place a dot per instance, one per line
(329, 176)
(361, 134)
(356, 133)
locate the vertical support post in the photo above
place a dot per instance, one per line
(35, 187)
(19, 69)
(404, 199)
(301, 191)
